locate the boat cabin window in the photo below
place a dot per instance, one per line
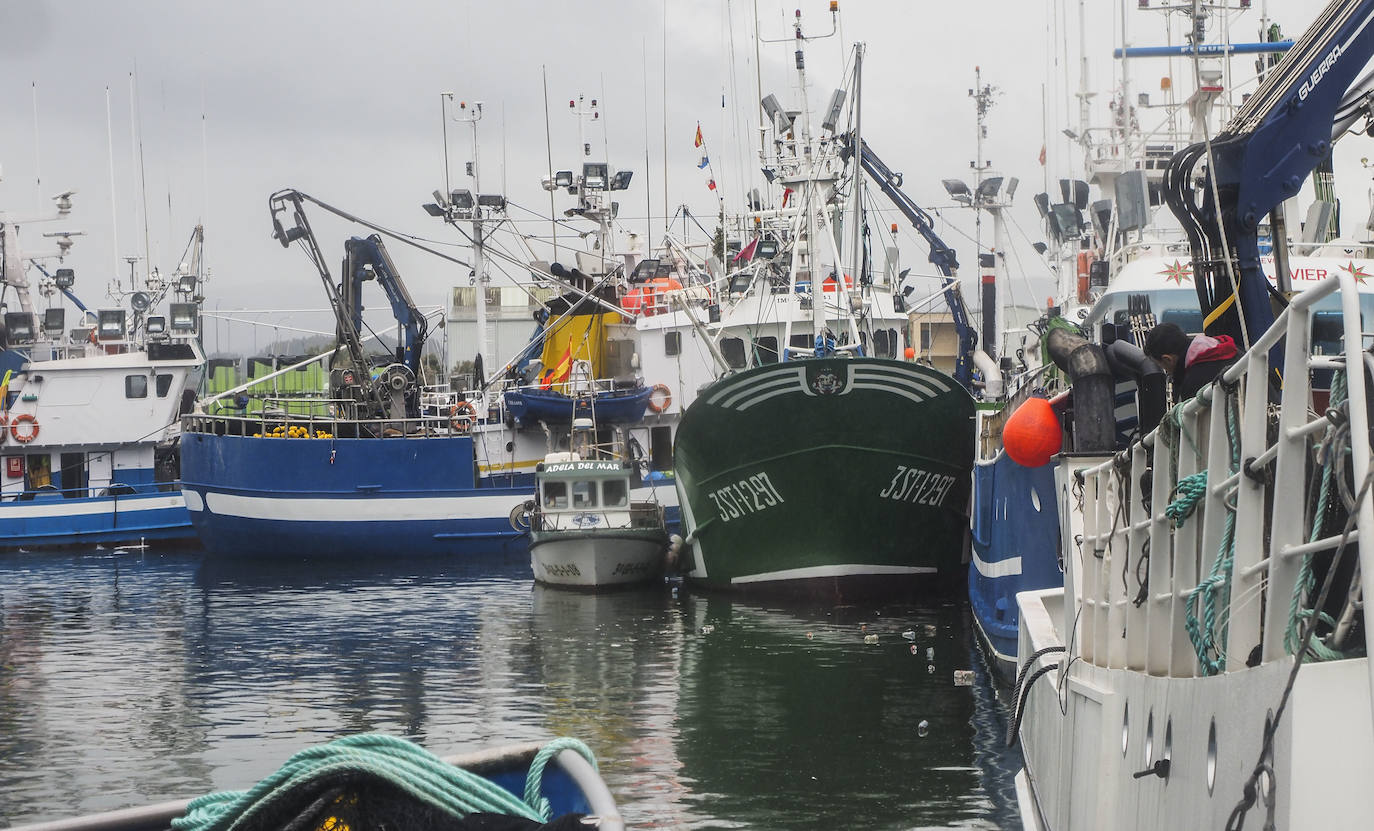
(555, 494)
(164, 384)
(765, 350)
(802, 341)
(672, 343)
(584, 494)
(615, 493)
(733, 351)
(135, 386)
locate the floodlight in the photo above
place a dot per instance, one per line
(563, 178)
(957, 190)
(55, 322)
(462, 200)
(186, 284)
(987, 189)
(110, 324)
(495, 201)
(184, 317)
(64, 278)
(621, 180)
(433, 209)
(156, 325)
(19, 327)
(832, 113)
(594, 175)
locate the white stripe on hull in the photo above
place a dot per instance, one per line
(1010, 567)
(838, 570)
(368, 508)
(71, 507)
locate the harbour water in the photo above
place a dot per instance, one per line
(131, 677)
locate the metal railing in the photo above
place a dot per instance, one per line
(645, 515)
(1153, 590)
(113, 490)
(328, 416)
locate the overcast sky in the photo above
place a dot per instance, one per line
(341, 99)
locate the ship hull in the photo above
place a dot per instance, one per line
(57, 522)
(840, 478)
(598, 559)
(280, 498)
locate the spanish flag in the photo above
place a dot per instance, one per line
(560, 372)
(698, 144)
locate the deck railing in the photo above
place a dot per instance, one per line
(1155, 589)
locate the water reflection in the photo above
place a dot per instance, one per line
(132, 678)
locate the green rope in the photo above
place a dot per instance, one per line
(402, 764)
(1215, 590)
(536, 774)
(1306, 581)
(1187, 493)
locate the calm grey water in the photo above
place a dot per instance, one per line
(130, 677)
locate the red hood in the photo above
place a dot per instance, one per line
(1205, 348)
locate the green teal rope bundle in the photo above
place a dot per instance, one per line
(1215, 589)
(1189, 491)
(402, 764)
(1306, 581)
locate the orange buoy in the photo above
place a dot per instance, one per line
(1032, 434)
(909, 353)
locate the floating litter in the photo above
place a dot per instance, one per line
(923, 729)
(930, 669)
(707, 629)
(809, 636)
(930, 653)
(870, 638)
(914, 650)
(909, 635)
(963, 678)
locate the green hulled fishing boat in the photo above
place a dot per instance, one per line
(825, 465)
(830, 476)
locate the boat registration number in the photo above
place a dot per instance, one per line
(921, 487)
(745, 497)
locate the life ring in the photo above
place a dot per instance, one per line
(460, 416)
(29, 434)
(521, 515)
(657, 405)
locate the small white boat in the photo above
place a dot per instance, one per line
(585, 529)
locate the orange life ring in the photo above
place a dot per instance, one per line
(460, 416)
(28, 435)
(654, 403)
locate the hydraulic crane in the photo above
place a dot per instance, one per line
(1281, 133)
(941, 255)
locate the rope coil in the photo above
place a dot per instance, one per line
(397, 762)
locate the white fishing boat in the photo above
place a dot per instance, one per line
(1206, 660)
(89, 407)
(585, 530)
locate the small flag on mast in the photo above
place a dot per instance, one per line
(698, 144)
(1042, 155)
(711, 184)
(704, 161)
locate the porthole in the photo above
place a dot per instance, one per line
(1125, 726)
(1149, 737)
(1168, 754)
(1211, 757)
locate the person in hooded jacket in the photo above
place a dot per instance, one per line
(1192, 361)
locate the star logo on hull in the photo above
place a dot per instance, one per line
(1356, 271)
(1178, 272)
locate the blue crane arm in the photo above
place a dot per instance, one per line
(1278, 137)
(941, 255)
(366, 259)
